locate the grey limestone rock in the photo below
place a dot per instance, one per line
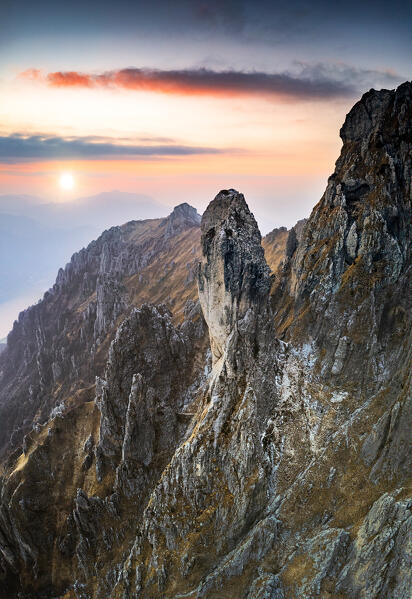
(380, 558)
(234, 279)
(273, 465)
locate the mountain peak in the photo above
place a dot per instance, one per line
(187, 211)
(183, 217)
(380, 114)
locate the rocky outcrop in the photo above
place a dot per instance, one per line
(144, 414)
(345, 286)
(234, 279)
(57, 347)
(274, 465)
(211, 497)
(114, 449)
(147, 374)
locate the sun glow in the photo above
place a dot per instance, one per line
(66, 181)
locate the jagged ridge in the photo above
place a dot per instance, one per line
(265, 468)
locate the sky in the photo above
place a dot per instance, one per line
(176, 100)
(182, 98)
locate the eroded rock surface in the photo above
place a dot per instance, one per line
(58, 346)
(234, 279)
(274, 465)
(348, 284)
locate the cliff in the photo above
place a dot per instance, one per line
(58, 347)
(253, 445)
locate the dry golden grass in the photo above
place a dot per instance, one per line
(275, 249)
(171, 278)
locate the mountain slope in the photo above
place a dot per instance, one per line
(66, 337)
(37, 237)
(269, 461)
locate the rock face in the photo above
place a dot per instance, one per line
(275, 464)
(345, 285)
(57, 347)
(146, 359)
(212, 494)
(234, 279)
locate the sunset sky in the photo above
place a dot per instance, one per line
(178, 99)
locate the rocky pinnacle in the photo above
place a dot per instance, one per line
(234, 279)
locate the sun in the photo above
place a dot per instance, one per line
(66, 181)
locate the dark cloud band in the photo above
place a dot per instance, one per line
(204, 82)
(17, 148)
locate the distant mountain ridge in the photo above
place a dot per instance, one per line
(38, 237)
(100, 211)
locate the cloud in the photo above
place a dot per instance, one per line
(360, 79)
(19, 148)
(203, 81)
(304, 81)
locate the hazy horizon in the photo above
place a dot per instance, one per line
(84, 219)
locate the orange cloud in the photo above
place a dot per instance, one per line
(69, 79)
(204, 82)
